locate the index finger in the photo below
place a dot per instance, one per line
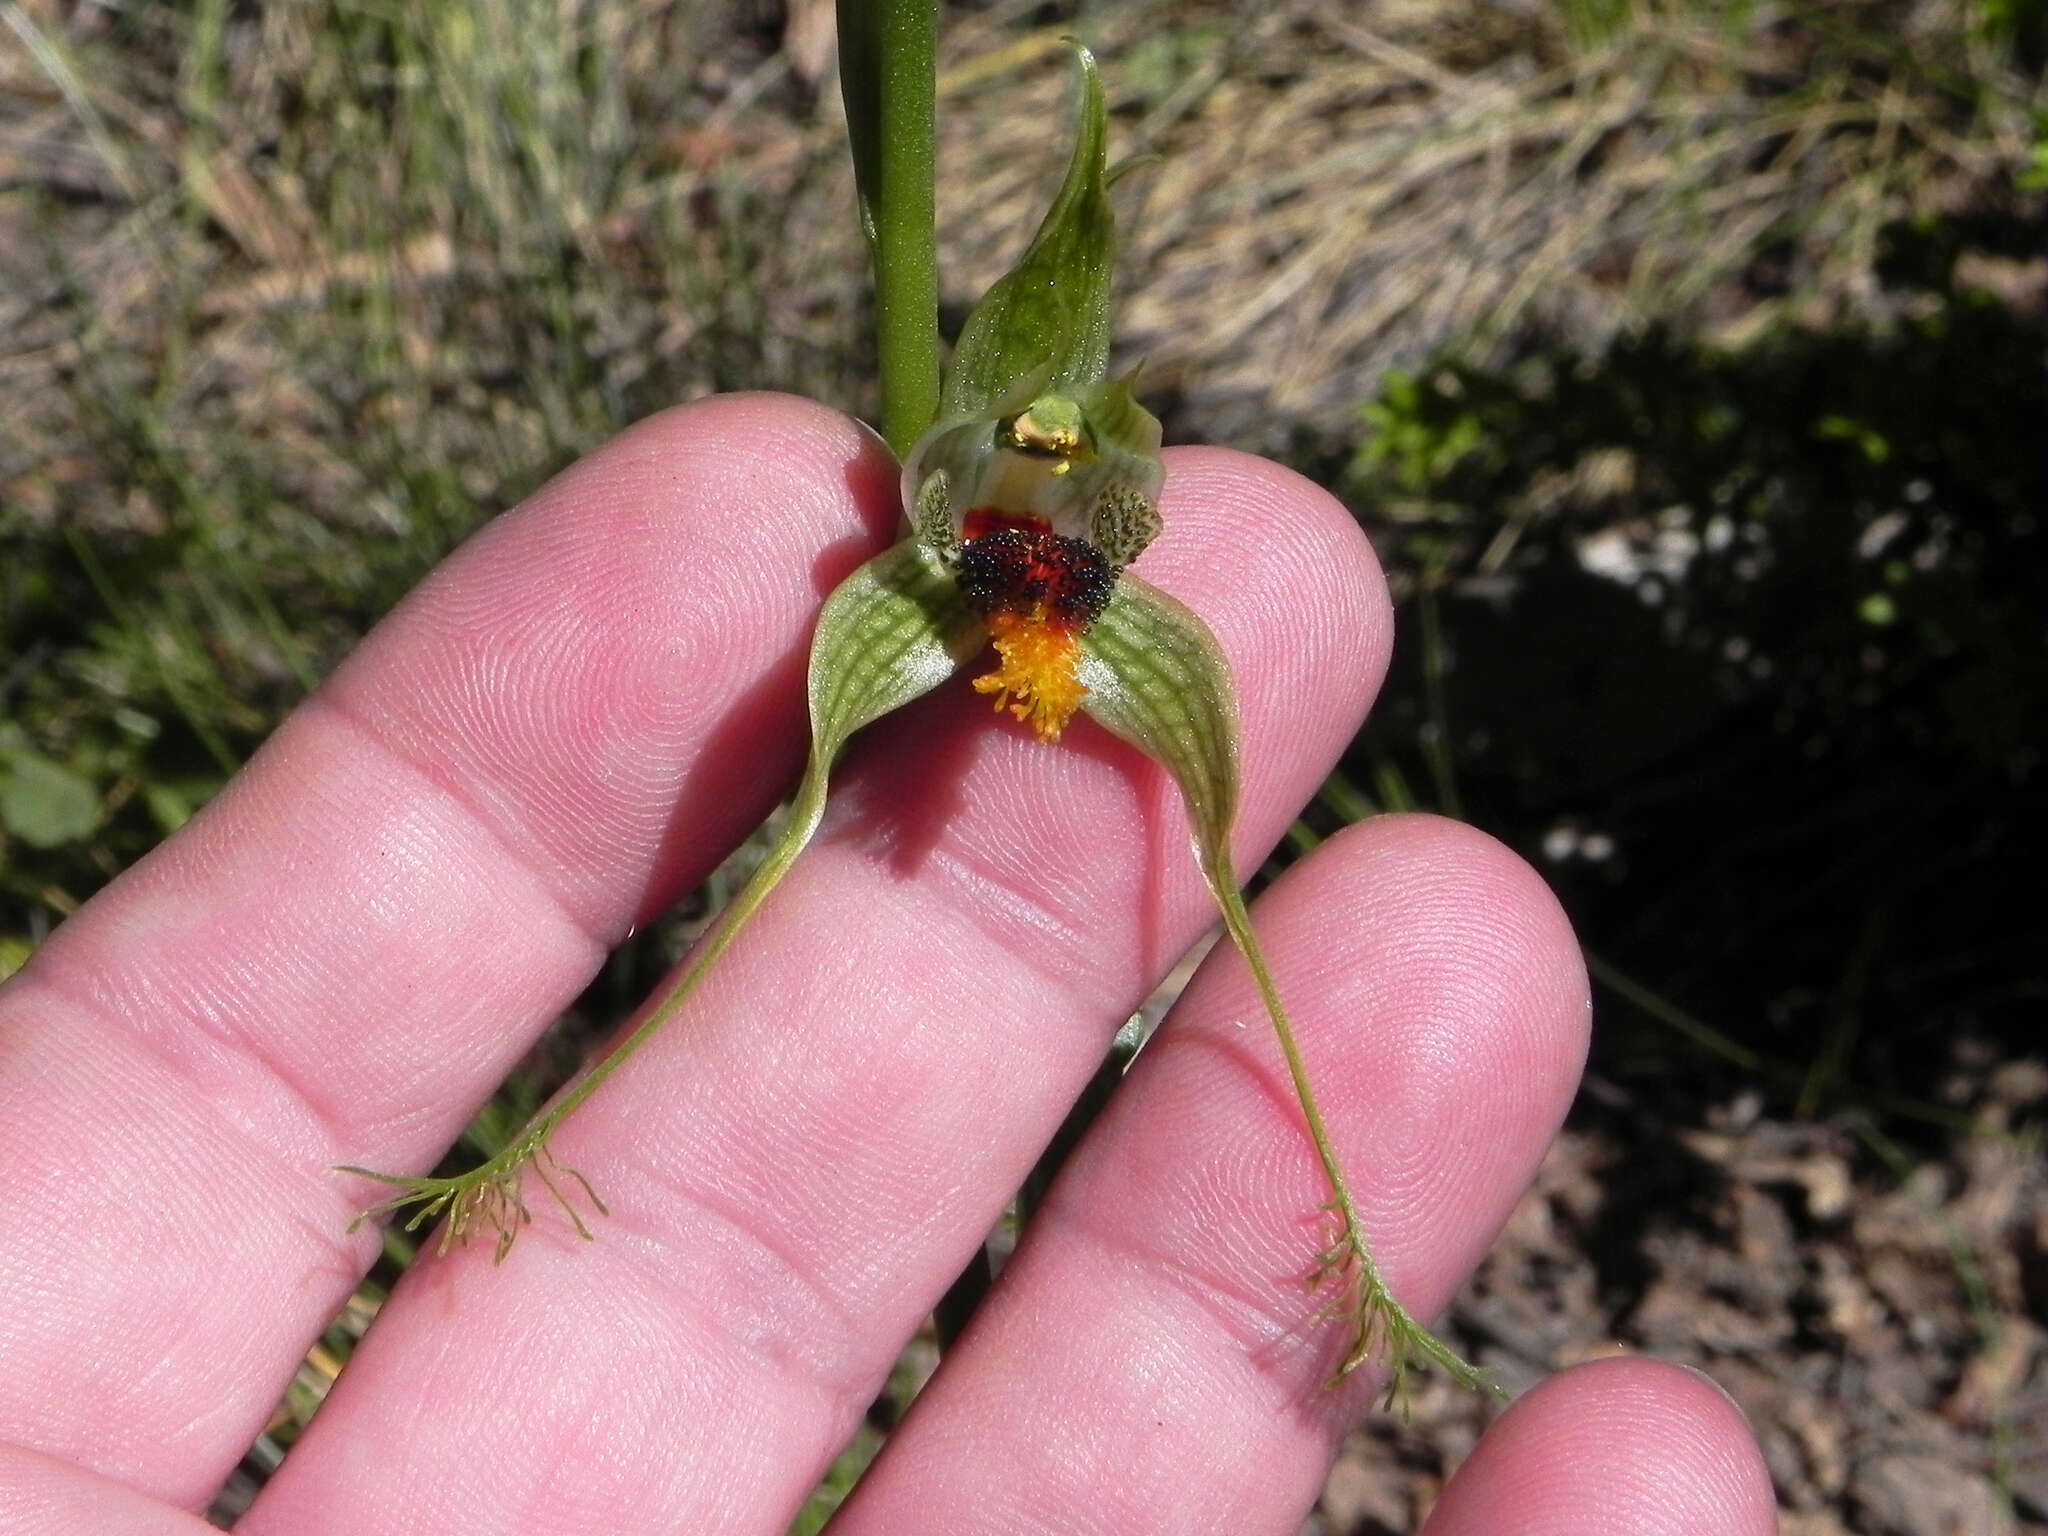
(570, 721)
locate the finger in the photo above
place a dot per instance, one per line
(801, 1165)
(42, 1496)
(577, 713)
(1614, 1448)
(1151, 1360)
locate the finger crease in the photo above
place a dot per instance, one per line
(775, 1328)
(430, 773)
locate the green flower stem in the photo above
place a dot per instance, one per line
(1378, 1322)
(888, 69)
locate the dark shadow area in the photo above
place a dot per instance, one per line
(1744, 651)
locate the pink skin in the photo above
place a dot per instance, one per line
(1614, 1448)
(564, 727)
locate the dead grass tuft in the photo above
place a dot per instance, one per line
(483, 236)
(1348, 187)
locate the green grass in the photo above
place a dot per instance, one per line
(401, 265)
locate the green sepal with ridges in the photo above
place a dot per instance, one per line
(896, 628)
(1049, 315)
(1157, 678)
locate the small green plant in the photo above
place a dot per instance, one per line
(1418, 432)
(1026, 499)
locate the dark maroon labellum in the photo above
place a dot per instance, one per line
(1043, 576)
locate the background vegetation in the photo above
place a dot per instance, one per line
(1684, 362)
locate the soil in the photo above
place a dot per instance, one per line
(1881, 1333)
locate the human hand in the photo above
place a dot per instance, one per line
(566, 726)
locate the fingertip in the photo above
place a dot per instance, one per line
(1284, 576)
(635, 628)
(571, 719)
(1439, 987)
(782, 467)
(1621, 1447)
(1476, 897)
(46, 1493)
(1437, 999)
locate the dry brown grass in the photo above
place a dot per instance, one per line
(485, 237)
(1345, 187)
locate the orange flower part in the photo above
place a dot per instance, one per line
(1037, 591)
(1037, 677)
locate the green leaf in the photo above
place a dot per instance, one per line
(14, 954)
(896, 628)
(1048, 318)
(44, 803)
(167, 807)
(860, 86)
(1156, 677)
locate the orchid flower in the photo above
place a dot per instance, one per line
(1024, 505)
